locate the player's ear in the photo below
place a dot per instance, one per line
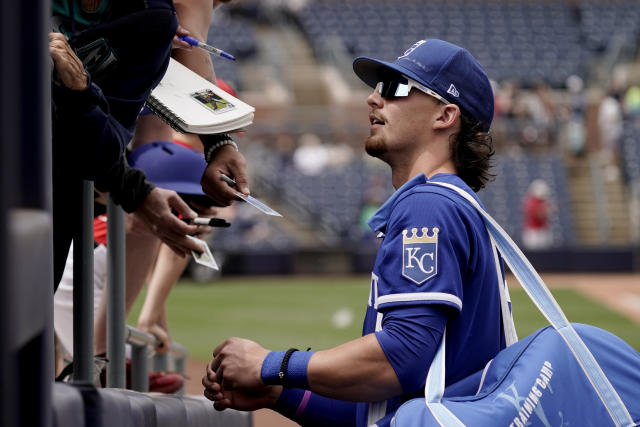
(448, 115)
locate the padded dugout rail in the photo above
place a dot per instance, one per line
(82, 405)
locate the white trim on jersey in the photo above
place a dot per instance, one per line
(418, 296)
(379, 317)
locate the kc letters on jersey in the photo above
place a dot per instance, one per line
(420, 254)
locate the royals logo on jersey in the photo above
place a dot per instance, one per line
(420, 254)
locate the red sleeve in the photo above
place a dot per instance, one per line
(100, 229)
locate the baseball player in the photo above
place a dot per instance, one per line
(436, 276)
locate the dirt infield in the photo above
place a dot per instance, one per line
(620, 292)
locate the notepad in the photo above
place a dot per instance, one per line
(191, 104)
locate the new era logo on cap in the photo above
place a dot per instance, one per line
(453, 91)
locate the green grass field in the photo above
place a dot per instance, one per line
(320, 313)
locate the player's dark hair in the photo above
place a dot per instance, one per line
(471, 151)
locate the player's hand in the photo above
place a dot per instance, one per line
(231, 162)
(242, 400)
(156, 213)
(176, 43)
(68, 66)
(237, 363)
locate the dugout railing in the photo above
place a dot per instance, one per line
(29, 395)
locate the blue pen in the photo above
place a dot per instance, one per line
(208, 48)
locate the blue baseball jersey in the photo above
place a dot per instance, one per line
(436, 250)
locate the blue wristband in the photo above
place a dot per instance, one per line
(295, 374)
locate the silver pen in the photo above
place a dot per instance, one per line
(207, 47)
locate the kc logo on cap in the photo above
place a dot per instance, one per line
(411, 49)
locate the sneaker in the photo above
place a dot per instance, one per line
(160, 382)
(165, 382)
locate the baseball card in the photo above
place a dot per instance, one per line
(205, 258)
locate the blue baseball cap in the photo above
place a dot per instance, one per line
(171, 166)
(449, 70)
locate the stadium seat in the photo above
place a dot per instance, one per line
(541, 33)
(630, 151)
(234, 36)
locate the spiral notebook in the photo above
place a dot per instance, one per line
(191, 104)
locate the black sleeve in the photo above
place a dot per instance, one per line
(85, 129)
(127, 186)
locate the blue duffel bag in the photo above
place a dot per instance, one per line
(562, 375)
(537, 382)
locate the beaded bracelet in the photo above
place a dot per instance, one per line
(209, 153)
(283, 365)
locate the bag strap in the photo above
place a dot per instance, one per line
(542, 298)
(508, 325)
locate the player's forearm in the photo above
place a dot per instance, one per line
(357, 370)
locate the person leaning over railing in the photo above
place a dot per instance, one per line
(125, 47)
(170, 166)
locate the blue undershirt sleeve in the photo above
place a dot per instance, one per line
(409, 338)
(317, 410)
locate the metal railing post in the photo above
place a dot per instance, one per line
(179, 355)
(140, 342)
(160, 362)
(83, 365)
(179, 361)
(116, 289)
(139, 368)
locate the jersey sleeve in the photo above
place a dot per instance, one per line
(409, 338)
(424, 254)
